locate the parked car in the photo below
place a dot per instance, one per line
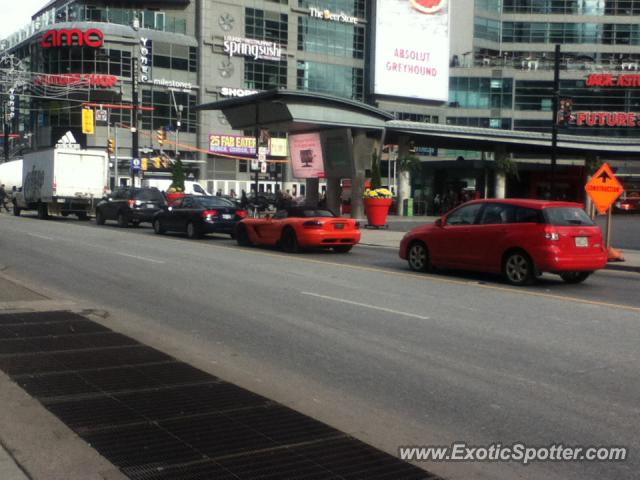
(518, 238)
(198, 215)
(130, 205)
(300, 227)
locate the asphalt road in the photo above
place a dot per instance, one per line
(625, 231)
(360, 342)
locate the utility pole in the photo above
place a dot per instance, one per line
(135, 148)
(554, 123)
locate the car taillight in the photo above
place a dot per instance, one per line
(551, 235)
(312, 224)
(132, 203)
(242, 213)
(209, 214)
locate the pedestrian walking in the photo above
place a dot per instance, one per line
(3, 198)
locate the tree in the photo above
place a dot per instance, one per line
(406, 164)
(178, 175)
(376, 178)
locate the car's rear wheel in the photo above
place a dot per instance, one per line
(43, 211)
(193, 231)
(518, 268)
(158, 227)
(122, 220)
(289, 241)
(99, 217)
(575, 277)
(342, 248)
(242, 236)
(418, 257)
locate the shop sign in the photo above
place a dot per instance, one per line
(92, 37)
(609, 80)
(331, 16)
(77, 79)
(306, 155)
(249, 47)
(606, 119)
(12, 103)
(236, 92)
(161, 82)
(232, 144)
(145, 59)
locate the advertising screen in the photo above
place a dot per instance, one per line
(412, 49)
(306, 155)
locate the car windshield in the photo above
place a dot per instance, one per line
(309, 213)
(567, 216)
(149, 194)
(212, 202)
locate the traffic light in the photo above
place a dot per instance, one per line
(162, 135)
(566, 104)
(156, 162)
(111, 146)
(145, 164)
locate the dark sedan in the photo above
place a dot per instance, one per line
(196, 216)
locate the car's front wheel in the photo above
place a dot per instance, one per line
(518, 268)
(99, 217)
(575, 277)
(158, 227)
(193, 231)
(122, 220)
(418, 257)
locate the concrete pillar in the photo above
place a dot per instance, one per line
(501, 185)
(362, 148)
(311, 196)
(404, 178)
(333, 195)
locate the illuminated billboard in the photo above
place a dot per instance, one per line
(306, 155)
(412, 49)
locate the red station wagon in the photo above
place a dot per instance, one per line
(518, 238)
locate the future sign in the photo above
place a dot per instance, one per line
(412, 49)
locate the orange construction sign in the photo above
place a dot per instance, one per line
(604, 188)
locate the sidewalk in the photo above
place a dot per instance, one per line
(391, 239)
(9, 470)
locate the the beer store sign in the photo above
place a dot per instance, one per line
(73, 37)
(249, 47)
(332, 16)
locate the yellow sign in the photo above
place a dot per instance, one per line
(88, 124)
(144, 164)
(278, 147)
(604, 188)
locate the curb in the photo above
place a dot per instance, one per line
(623, 268)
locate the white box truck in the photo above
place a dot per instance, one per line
(62, 181)
(11, 175)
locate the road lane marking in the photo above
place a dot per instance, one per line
(365, 305)
(44, 237)
(137, 257)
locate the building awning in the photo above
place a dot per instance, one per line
(296, 111)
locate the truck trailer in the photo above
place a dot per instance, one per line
(62, 181)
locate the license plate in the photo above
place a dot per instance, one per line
(582, 242)
(150, 205)
(339, 226)
(227, 216)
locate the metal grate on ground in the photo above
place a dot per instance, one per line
(160, 419)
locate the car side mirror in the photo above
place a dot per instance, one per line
(439, 222)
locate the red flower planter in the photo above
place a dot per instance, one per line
(172, 197)
(377, 210)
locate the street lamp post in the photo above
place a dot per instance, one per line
(554, 123)
(178, 125)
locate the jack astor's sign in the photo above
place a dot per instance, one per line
(609, 80)
(73, 37)
(77, 80)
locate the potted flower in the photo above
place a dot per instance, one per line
(177, 185)
(377, 203)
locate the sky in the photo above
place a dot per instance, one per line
(16, 14)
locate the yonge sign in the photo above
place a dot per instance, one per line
(93, 38)
(249, 47)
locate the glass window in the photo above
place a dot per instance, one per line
(330, 38)
(566, 216)
(340, 80)
(495, 214)
(264, 74)
(527, 215)
(266, 25)
(464, 215)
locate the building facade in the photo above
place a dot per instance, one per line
(188, 52)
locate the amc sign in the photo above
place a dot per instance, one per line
(93, 38)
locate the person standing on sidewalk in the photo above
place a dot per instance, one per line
(3, 198)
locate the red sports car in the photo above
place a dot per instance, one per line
(300, 227)
(518, 238)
